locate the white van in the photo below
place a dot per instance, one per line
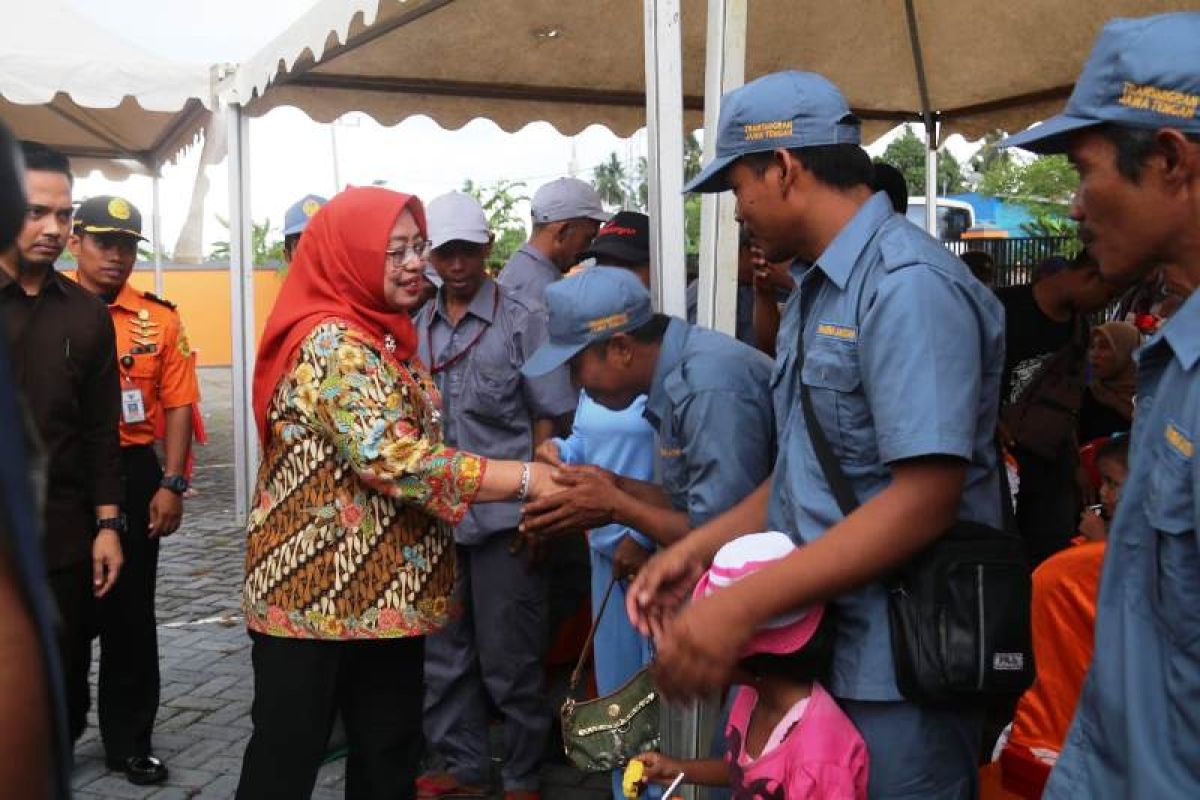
(954, 216)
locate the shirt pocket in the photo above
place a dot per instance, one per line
(494, 395)
(1175, 588)
(832, 373)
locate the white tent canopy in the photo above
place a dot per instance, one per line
(100, 99)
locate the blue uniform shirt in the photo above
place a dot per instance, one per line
(619, 441)
(488, 405)
(1137, 727)
(904, 352)
(711, 405)
(528, 273)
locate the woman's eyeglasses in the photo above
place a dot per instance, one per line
(401, 255)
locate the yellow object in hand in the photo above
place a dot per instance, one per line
(631, 781)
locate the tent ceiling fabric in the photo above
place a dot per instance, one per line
(95, 96)
(989, 65)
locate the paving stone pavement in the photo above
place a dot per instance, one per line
(204, 717)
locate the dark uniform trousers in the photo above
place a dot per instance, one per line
(129, 680)
(71, 587)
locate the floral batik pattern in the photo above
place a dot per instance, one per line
(350, 537)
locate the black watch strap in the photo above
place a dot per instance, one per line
(176, 483)
(111, 524)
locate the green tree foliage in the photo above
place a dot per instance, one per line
(1043, 184)
(609, 181)
(907, 153)
(500, 201)
(631, 192)
(268, 249)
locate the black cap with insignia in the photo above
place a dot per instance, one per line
(108, 214)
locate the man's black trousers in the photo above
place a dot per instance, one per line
(129, 680)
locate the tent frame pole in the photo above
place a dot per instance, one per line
(931, 177)
(664, 128)
(241, 293)
(725, 69)
(156, 231)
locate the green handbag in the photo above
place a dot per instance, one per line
(604, 734)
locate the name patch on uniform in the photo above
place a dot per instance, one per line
(607, 323)
(1179, 442)
(845, 333)
(670, 452)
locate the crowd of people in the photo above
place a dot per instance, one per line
(435, 439)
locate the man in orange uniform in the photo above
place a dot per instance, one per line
(158, 378)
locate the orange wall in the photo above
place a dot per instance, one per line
(202, 296)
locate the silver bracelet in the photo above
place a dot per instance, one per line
(523, 489)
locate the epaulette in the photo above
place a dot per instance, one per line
(162, 301)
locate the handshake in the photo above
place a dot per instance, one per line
(564, 499)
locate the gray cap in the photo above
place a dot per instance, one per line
(566, 198)
(456, 216)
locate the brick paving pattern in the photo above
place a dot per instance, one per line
(204, 718)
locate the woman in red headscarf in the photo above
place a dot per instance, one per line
(349, 556)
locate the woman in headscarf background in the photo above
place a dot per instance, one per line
(349, 555)
(1107, 406)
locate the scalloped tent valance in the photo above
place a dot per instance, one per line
(102, 100)
(985, 65)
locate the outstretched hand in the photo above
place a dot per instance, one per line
(662, 586)
(697, 649)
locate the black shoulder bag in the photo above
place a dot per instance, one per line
(958, 612)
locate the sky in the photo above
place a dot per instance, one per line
(290, 155)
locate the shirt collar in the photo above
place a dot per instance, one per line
(482, 305)
(1182, 332)
(52, 279)
(670, 353)
(540, 257)
(127, 298)
(843, 252)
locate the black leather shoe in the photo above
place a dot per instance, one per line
(141, 770)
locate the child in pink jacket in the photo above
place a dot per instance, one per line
(787, 738)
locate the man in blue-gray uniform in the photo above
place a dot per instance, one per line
(295, 220)
(566, 216)
(707, 397)
(474, 337)
(901, 352)
(1131, 129)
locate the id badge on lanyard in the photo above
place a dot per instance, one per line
(133, 405)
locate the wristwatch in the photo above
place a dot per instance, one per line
(111, 524)
(176, 483)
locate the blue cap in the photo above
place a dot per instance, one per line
(1142, 73)
(297, 216)
(590, 306)
(780, 110)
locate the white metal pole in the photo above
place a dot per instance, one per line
(337, 172)
(724, 70)
(931, 192)
(241, 295)
(664, 127)
(156, 233)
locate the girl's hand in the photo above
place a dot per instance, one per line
(660, 769)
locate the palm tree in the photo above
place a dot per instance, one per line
(609, 180)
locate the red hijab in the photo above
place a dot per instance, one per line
(337, 273)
